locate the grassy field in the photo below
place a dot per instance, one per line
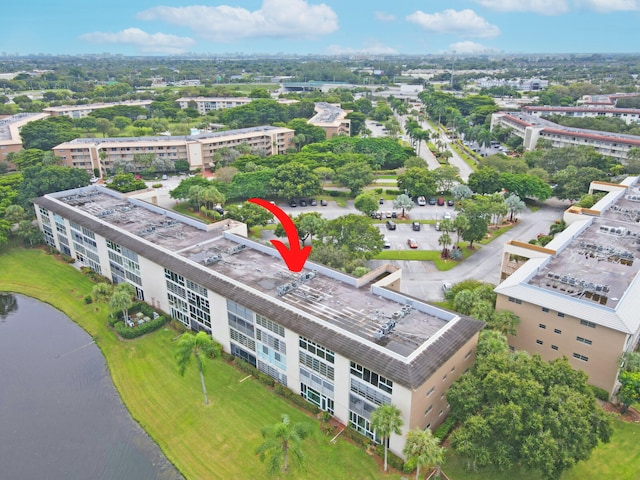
(429, 255)
(217, 441)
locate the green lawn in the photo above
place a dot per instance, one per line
(429, 255)
(218, 440)
(204, 442)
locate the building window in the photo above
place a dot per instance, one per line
(557, 330)
(542, 325)
(586, 323)
(584, 340)
(515, 300)
(468, 354)
(431, 390)
(444, 377)
(440, 413)
(426, 412)
(560, 314)
(545, 309)
(554, 347)
(580, 357)
(539, 342)
(453, 368)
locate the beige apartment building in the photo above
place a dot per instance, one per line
(332, 119)
(579, 296)
(198, 150)
(206, 104)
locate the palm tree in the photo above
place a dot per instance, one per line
(423, 449)
(385, 420)
(280, 439)
(199, 346)
(101, 292)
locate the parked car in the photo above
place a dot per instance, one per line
(437, 226)
(446, 286)
(388, 214)
(422, 201)
(292, 203)
(394, 214)
(391, 225)
(441, 201)
(412, 243)
(386, 242)
(381, 201)
(432, 201)
(313, 202)
(450, 203)
(415, 226)
(447, 215)
(303, 203)
(323, 202)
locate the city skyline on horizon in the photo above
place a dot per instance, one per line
(309, 27)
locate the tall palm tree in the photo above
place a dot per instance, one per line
(423, 449)
(280, 439)
(385, 420)
(199, 346)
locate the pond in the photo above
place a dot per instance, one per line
(60, 415)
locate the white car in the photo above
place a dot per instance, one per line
(447, 216)
(446, 287)
(422, 201)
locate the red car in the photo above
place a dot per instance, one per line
(441, 201)
(412, 243)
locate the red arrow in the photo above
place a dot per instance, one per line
(294, 256)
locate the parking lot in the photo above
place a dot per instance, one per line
(427, 237)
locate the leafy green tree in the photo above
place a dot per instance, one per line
(39, 180)
(403, 202)
(355, 233)
(631, 362)
(573, 182)
(461, 192)
(422, 449)
(181, 192)
(120, 301)
(8, 304)
(504, 322)
(446, 177)
(484, 180)
(366, 203)
(245, 185)
(29, 233)
(416, 182)
(47, 133)
(355, 176)
(477, 211)
(126, 182)
(517, 409)
(357, 120)
(282, 440)
(198, 346)
(28, 157)
(14, 213)
(249, 214)
(295, 180)
(385, 420)
(460, 224)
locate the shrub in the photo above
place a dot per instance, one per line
(378, 191)
(356, 437)
(392, 459)
(88, 299)
(157, 185)
(445, 428)
(133, 332)
(390, 191)
(600, 393)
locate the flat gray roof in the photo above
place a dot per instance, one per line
(346, 315)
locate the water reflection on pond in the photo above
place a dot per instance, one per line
(60, 415)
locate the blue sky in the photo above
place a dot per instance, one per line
(156, 27)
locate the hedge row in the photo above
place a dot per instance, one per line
(392, 459)
(445, 428)
(133, 332)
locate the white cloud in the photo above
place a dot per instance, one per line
(606, 6)
(384, 16)
(373, 48)
(469, 47)
(274, 19)
(464, 22)
(543, 7)
(145, 42)
(557, 7)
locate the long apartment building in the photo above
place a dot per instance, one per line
(628, 115)
(531, 128)
(206, 104)
(198, 150)
(347, 345)
(579, 296)
(10, 140)
(81, 111)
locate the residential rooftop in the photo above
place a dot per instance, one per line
(329, 297)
